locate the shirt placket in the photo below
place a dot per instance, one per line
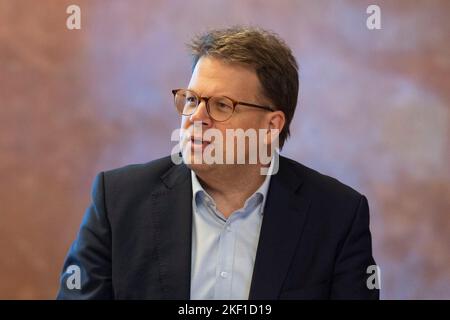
(224, 271)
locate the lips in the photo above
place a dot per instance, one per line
(199, 140)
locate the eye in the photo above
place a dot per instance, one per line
(223, 104)
(191, 99)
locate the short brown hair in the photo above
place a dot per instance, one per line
(266, 52)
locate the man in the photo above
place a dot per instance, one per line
(223, 230)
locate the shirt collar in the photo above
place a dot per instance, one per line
(198, 191)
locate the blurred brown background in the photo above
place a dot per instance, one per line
(373, 112)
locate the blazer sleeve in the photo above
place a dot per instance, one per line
(350, 271)
(90, 254)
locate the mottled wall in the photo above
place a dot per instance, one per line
(373, 112)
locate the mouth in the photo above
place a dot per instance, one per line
(198, 143)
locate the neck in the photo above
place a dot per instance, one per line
(231, 186)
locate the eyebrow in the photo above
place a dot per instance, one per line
(229, 96)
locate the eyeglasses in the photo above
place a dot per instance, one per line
(219, 108)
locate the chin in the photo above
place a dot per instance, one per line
(201, 167)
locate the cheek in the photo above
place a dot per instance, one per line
(254, 122)
(185, 123)
(243, 123)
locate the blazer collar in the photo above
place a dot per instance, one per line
(172, 216)
(284, 218)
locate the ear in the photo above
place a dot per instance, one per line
(275, 123)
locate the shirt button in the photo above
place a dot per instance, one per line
(228, 228)
(224, 274)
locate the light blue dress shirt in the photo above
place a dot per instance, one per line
(224, 250)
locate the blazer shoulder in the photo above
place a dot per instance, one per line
(136, 179)
(322, 184)
(133, 173)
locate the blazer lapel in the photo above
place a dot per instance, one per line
(282, 226)
(172, 218)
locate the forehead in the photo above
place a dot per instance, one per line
(213, 76)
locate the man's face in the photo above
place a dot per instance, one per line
(215, 77)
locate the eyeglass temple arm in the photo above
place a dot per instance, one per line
(255, 105)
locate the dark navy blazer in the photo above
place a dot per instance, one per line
(135, 239)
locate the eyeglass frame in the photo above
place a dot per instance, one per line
(206, 99)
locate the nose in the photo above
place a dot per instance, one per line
(201, 114)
